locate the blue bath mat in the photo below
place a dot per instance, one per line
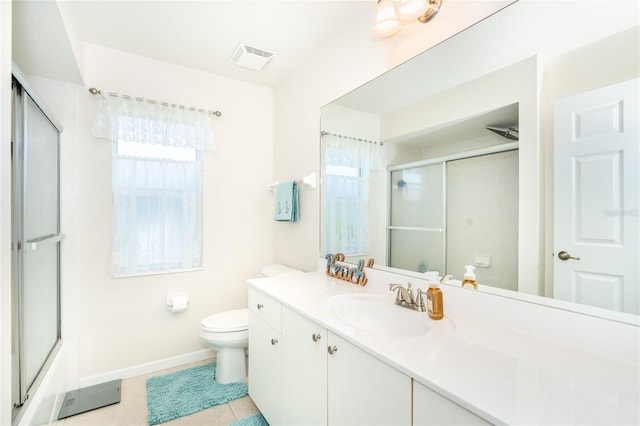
(255, 420)
(188, 391)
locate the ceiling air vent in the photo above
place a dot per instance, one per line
(250, 57)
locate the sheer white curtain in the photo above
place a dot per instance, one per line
(156, 183)
(348, 163)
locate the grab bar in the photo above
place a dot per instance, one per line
(35, 243)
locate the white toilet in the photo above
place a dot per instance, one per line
(228, 334)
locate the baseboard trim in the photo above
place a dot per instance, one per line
(149, 367)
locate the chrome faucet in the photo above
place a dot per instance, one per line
(404, 297)
(446, 278)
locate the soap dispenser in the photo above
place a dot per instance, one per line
(469, 278)
(435, 305)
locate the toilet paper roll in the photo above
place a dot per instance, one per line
(178, 303)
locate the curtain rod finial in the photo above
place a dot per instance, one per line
(94, 91)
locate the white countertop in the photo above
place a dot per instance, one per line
(504, 375)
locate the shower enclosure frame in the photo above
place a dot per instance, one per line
(443, 160)
(25, 381)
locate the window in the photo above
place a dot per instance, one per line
(157, 185)
(157, 208)
(346, 210)
(347, 167)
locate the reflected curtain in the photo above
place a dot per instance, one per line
(348, 164)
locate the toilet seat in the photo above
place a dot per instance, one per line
(226, 322)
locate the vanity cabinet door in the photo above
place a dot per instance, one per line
(266, 307)
(363, 390)
(304, 360)
(431, 408)
(265, 360)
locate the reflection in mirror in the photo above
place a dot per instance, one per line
(460, 205)
(459, 167)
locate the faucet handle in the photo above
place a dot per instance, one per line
(419, 305)
(410, 291)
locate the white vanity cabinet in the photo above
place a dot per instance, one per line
(327, 380)
(265, 355)
(301, 373)
(431, 408)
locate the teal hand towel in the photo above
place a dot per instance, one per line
(286, 205)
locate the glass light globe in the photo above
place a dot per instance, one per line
(387, 23)
(411, 9)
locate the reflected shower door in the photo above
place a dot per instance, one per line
(37, 239)
(417, 224)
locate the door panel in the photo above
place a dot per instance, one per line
(598, 183)
(36, 243)
(597, 179)
(40, 222)
(40, 308)
(362, 390)
(40, 174)
(304, 360)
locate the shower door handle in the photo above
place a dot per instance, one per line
(36, 243)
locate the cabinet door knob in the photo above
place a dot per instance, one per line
(274, 341)
(332, 349)
(316, 337)
(260, 306)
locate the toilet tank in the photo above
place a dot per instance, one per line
(277, 269)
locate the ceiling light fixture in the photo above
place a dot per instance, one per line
(389, 23)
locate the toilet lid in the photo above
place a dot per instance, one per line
(227, 321)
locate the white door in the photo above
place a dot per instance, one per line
(597, 186)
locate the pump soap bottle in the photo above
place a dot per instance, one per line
(435, 304)
(469, 278)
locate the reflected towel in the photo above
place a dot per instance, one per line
(286, 205)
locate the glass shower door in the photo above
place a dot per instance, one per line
(37, 240)
(417, 224)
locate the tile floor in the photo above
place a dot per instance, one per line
(132, 408)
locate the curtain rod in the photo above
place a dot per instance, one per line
(95, 91)
(323, 133)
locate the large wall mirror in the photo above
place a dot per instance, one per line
(512, 147)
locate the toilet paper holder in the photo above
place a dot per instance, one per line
(177, 302)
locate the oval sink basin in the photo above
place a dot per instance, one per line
(378, 314)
